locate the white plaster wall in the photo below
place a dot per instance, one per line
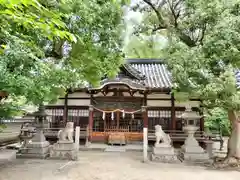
(101, 94)
(167, 103)
(78, 95)
(162, 96)
(78, 102)
(162, 103)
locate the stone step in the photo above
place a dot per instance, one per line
(115, 149)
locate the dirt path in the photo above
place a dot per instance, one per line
(108, 166)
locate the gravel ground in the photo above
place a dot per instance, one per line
(108, 166)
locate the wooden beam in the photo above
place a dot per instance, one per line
(118, 119)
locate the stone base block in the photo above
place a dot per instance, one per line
(163, 150)
(35, 150)
(193, 154)
(43, 150)
(38, 144)
(69, 155)
(64, 146)
(192, 149)
(64, 150)
(28, 155)
(194, 157)
(165, 158)
(164, 154)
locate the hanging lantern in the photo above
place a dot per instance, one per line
(112, 115)
(132, 115)
(123, 114)
(103, 115)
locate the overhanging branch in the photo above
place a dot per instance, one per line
(158, 14)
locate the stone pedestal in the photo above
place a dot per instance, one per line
(164, 153)
(38, 148)
(64, 150)
(209, 148)
(191, 151)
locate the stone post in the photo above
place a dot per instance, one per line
(145, 144)
(77, 137)
(209, 148)
(39, 147)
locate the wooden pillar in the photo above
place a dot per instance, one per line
(118, 119)
(173, 113)
(145, 99)
(90, 122)
(65, 110)
(145, 116)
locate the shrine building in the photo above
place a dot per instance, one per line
(140, 96)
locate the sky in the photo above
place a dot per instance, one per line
(131, 18)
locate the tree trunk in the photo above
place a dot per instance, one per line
(234, 140)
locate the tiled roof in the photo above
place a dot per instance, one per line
(142, 74)
(155, 72)
(149, 73)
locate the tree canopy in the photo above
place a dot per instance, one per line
(48, 47)
(203, 51)
(203, 46)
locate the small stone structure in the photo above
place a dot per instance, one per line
(191, 151)
(65, 148)
(37, 148)
(163, 150)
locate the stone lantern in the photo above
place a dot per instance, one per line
(191, 151)
(40, 118)
(190, 119)
(39, 147)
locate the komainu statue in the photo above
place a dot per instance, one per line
(161, 136)
(66, 133)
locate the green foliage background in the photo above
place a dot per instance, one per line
(217, 120)
(34, 36)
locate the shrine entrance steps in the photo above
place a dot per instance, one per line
(113, 148)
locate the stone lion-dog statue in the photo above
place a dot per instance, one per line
(66, 133)
(161, 136)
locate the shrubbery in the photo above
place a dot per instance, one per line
(217, 120)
